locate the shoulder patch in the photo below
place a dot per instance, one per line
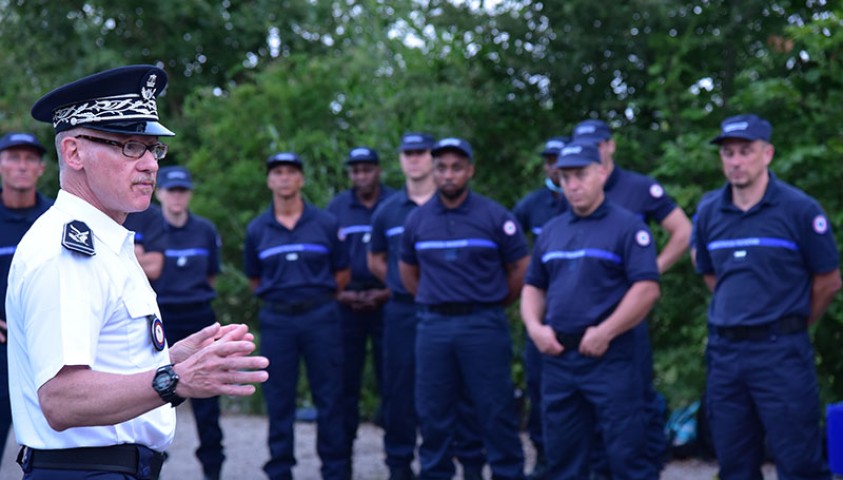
(509, 228)
(642, 237)
(656, 191)
(820, 224)
(79, 238)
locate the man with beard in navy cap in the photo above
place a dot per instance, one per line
(464, 257)
(93, 377)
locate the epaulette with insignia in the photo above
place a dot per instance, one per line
(78, 238)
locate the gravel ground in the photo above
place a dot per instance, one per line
(246, 451)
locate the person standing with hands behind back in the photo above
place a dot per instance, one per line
(89, 362)
(766, 251)
(464, 258)
(296, 264)
(185, 288)
(21, 165)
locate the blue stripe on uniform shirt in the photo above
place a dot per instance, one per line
(585, 252)
(355, 229)
(753, 242)
(7, 250)
(296, 247)
(187, 252)
(461, 243)
(394, 231)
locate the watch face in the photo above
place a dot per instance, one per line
(162, 380)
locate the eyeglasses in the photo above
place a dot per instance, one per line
(132, 148)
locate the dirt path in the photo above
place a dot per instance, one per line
(246, 451)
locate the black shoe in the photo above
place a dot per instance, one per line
(212, 476)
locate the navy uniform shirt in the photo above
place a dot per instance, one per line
(639, 194)
(462, 253)
(539, 206)
(13, 224)
(294, 265)
(387, 229)
(355, 221)
(587, 264)
(145, 224)
(191, 256)
(765, 258)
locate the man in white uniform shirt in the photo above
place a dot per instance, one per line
(91, 374)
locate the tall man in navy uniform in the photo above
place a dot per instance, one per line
(400, 421)
(532, 212)
(592, 278)
(767, 253)
(361, 301)
(89, 363)
(643, 196)
(464, 258)
(296, 264)
(191, 261)
(21, 165)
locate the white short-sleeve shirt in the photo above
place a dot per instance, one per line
(68, 308)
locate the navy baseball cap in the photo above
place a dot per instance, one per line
(747, 127)
(283, 158)
(452, 144)
(416, 141)
(579, 153)
(174, 177)
(120, 100)
(592, 130)
(361, 155)
(21, 139)
(552, 146)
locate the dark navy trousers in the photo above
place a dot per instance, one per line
(655, 452)
(181, 321)
(533, 372)
(358, 330)
(5, 404)
(471, 353)
(314, 336)
(764, 389)
(399, 403)
(581, 393)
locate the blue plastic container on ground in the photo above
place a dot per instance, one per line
(834, 429)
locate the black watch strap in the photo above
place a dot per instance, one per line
(164, 382)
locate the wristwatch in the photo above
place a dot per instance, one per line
(164, 382)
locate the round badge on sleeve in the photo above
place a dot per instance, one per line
(642, 237)
(156, 328)
(820, 224)
(509, 228)
(656, 190)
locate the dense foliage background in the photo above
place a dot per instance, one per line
(249, 78)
